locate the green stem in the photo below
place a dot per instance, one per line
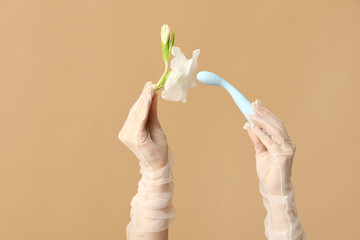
(161, 83)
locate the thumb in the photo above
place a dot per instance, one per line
(157, 135)
(153, 117)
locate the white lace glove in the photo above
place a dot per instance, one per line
(274, 158)
(152, 212)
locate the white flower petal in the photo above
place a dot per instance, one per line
(173, 78)
(194, 61)
(174, 94)
(182, 76)
(179, 60)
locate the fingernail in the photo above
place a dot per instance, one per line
(154, 87)
(253, 104)
(246, 126)
(258, 104)
(146, 86)
(257, 101)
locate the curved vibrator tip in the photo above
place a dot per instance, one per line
(241, 101)
(209, 78)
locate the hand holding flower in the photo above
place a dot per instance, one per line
(142, 132)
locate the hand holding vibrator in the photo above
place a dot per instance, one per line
(241, 101)
(274, 160)
(274, 156)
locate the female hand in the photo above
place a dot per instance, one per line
(274, 153)
(151, 208)
(142, 132)
(274, 157)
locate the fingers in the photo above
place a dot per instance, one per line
(157, 135)
(259, 146)
(133, 113)
(137, 121)
(145, 104)
(139, 105)
(263, 112)
(265, 139)
(138, 114)
(153, 117)
(274, 132)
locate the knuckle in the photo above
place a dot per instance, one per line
(141, 138)
(121, 135)
(291, 146)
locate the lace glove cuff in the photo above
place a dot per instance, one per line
(281, 222)
(151, 207)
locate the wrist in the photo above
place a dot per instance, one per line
(161, 163)
(279, 189)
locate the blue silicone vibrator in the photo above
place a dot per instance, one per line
(241, 101)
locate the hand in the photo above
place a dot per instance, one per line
(142, 132)
(274, 153)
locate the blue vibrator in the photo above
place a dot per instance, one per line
(241, 101)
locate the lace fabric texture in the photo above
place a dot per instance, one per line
(151, 208)
(281, 222)
(274, 158)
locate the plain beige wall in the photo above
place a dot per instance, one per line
(71, 70)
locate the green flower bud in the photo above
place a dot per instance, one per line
(166, 46)
(165, 34)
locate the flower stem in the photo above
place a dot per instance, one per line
(161, 81)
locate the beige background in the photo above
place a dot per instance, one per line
(71, 70)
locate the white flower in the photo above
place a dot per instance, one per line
(182, 76)
(165, 33)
